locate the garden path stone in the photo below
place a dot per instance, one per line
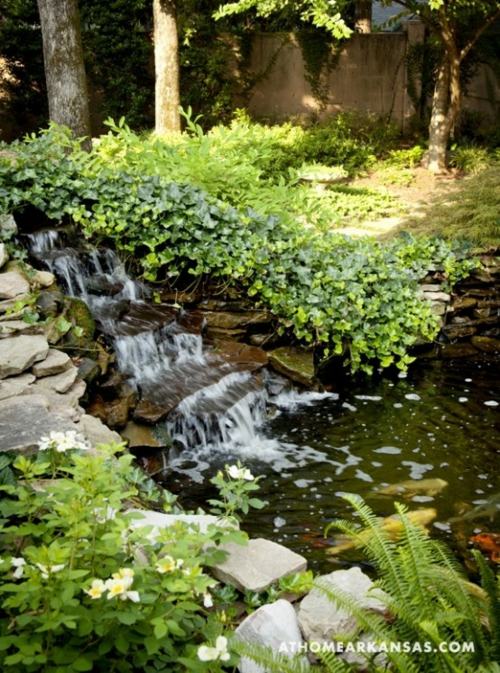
(55, 363)
(159, 520)
(275, 626)
(321, 620)
(18, 353)
(257, 565)
(12, 285)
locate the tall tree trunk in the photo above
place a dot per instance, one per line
(363, 16)
(64, 66)
(438, 132)
(167, 96)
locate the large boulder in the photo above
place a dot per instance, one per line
(323, 620)
(274, 626)
(257, 564)
(18, 353)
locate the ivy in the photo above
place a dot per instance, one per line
(356, 298)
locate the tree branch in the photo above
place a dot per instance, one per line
(466, 49)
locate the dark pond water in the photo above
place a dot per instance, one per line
(441, 422)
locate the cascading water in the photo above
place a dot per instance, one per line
(213, 405)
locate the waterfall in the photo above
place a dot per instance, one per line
(215, 408)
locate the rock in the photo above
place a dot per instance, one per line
(295, 363)
(274, 626)
(88, 369)
(13, 284)
(18, 353)
(43, 279)
(482, 312)
(159, 520)
(438, 307)
(78, 313)
(249, 357)
(96, 432)
(257, 565)
(322, 620)
(452, 351)
(221, 334)
(430, 287)
(13, 327)
(138, 435)
(49, 303)
(437, 296)
(260, 340)
(4, 255)
(8, 225)
(14, 386)
(486, 344)
(459, 331)
(60, 383)
(114, 412)
(55, 363)
(25, 419)
(149, 412)
(227, 320)
(463, 303)
(65, 404)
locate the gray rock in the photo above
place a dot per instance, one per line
(13, 327)
(55, 363)
(96, 432)
(275, 626)
(25, 419)
(257, 565)
(321, 620)
(62, 382)
(20, 352)
(138, 434)
(13, 284)
(66, 404)
(159, 520)
(294, 363)
(437, 296)
(8, 224)
(430, 287)
(4, 255)
(438, 307)
(15, 385)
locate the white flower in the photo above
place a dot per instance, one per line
(103, 514)
(236, 472)
(120, 584)
(207, 599)
(18, 563)
(47, 570)
(63, 441)
(168, 564)
(206, 653)
(97, 588)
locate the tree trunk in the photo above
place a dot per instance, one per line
(64, 67)
(363, 16)
(167, 97)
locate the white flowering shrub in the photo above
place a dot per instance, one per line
(82, 589)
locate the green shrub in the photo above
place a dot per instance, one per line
(83, 589)
(354, 298)
(470, 158)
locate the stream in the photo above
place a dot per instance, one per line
(434, 429)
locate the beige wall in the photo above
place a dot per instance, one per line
(368, 75)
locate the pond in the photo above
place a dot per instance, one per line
(439, 423)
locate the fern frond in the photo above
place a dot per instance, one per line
(491, 585)
(332, 662)
(270, 661)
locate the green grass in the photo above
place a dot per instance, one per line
(471, 212)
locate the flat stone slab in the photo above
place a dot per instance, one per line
(275, 626)
(322, 619)
(24, 420)
(55, 363)
(159, 520)
(138, 434)
(13, 284)
(14, 327)
(96, 432)
(18, 353)
(62, 382)
(296, 364)
(16, 385)
(258, 564)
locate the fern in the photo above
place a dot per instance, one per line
(270, 661)
(491, 586)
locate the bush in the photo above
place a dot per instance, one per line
(83, 589)
(355, 298)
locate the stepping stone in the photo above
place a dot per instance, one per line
(13, 284)
(322, 620)
(20, 352)
(60, 383)
(15, 385)
(55, 363)
(274, 626)
(257, 565)
(158, 520)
